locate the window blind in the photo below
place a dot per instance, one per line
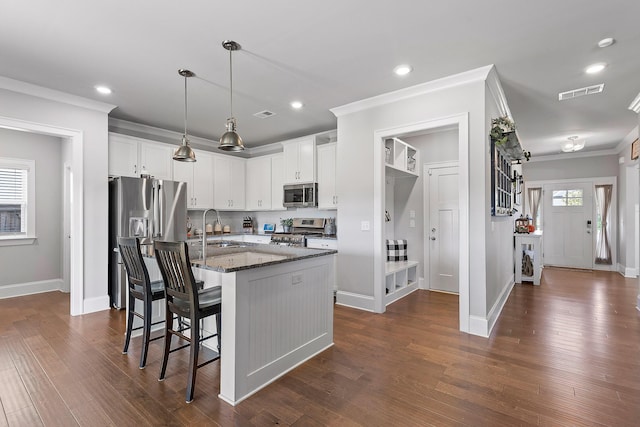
(13, 186)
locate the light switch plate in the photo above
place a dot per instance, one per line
(365, 226)
(412, 214)
(412, 223)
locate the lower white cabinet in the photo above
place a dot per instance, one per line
(322, 243)
(264, 239)
(229, 183)
(401, 278)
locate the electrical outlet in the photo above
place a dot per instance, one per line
(412, 214)
(412, 223)
(365, 226)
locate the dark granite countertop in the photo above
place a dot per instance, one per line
(230, 256)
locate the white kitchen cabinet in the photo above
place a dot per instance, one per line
(327, 198)
(258, 190)
(300, 160)
(229, 183)
(277, 182)
(318, 243)
(264, 239)
(131, 156)
(401, 278)
(199, 178)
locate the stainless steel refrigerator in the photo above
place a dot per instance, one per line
(146, 208)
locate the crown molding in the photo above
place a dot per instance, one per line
(171, 137)
(54, 95)
(497, 93)
(635, 104)
(478, 74)
(574, 155)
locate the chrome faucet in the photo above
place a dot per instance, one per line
(204, 234)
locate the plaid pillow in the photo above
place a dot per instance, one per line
(396, 250)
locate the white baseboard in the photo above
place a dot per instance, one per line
(30, 288)
(482, 326)
(361, 302)
(91, 305)
(628, 272)
(422, 284)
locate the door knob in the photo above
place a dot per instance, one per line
(433, 238)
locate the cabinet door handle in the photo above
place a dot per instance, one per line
(195, 200)
(135, 169)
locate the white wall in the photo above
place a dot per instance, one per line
(42, 260)
(627, 201)
(570, 168)
(89, 118)
(356, 128)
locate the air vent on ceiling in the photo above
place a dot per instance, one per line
(589, 90)
(264, 114)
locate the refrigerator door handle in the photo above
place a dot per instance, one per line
(158, 203)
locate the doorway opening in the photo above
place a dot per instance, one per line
(414, 224)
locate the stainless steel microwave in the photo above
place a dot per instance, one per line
(300, 195)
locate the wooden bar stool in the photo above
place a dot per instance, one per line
(185, 300)
(141, 288)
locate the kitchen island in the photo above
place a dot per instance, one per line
(277, 310)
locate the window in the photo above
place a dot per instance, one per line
(17, 200)
(567, 197)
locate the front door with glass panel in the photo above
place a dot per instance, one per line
(568, 225)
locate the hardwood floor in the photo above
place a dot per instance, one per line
(565, 353)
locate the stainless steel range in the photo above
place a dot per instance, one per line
(302, 228)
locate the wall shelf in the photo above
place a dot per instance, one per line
(401, 159)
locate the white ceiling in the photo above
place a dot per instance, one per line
(328, 54)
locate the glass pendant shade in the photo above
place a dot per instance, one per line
(230, 140)
(184, 153)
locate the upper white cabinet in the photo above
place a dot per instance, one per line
(277, 182)
(258, 194)
(228, 183)
(131, 156)
(199, 178)
(401, 159)
(300, 160)
(327, 198)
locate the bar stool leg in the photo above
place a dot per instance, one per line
(130, 309)
(146, 331)
(193, 359)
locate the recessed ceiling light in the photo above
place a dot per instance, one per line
(606, 42)
(103, 90)
(403, 70)
(595, 68)
(297, 105)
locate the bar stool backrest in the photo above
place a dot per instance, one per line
(174, 264)
(134, 265)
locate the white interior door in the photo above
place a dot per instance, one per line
(443, 230)
(568, 226)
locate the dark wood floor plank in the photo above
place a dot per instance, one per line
(564, 353)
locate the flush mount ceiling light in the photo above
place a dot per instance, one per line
(403, 70)
(296, 105)
(230, 140)
(103, 90)
(573, 145)
(606, 42)
(595, 68)
(184, 153)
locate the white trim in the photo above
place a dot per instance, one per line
(462, 122)
(627, 272)
(576, 155)
(359, 301)
(478, 326)
(91, 305)
(494, 314)
(16, 240)
(478, 74)
(30, 288)
(635, 104)
(54, 95)
(77, 214)
(497, 93)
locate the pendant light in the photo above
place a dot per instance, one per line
(184, 153)
(231, 141)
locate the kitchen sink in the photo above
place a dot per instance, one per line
(226, 245)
